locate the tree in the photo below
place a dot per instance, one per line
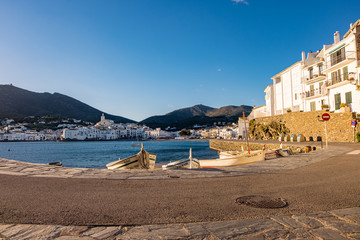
(184, 132)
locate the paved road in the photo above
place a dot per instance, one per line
(326, 185)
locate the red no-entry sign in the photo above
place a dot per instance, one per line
(325, 117)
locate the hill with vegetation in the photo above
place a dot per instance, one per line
(19, 103)
(198, 115)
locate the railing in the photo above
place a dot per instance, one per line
(334, 59)
(337, 78)
(314, 92)
(315, 77)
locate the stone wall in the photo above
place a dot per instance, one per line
(222, 145)
(339, 127)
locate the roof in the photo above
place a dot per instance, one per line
(280, 73)
(258, 107)
(354, 26)
(267, 87)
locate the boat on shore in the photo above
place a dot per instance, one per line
(229, 154)
(189, 163)
(237, 160)
(142, 160)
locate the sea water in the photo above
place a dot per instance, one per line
(98, 153)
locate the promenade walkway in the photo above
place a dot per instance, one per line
(341, 223)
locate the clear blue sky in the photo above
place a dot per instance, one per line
(138, 58)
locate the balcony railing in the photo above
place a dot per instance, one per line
(314, 93)
(315, 77)
(334, 59)
(338, 78)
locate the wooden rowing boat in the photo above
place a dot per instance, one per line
(142, 160)
(189, 163)
(240, 159)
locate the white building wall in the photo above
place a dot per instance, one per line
(278, 97)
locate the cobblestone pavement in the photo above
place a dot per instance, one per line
(12, 167)
(337, 225)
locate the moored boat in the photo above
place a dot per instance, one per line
(142, 160)
(229, 154)
(240, 159)
(189, 163)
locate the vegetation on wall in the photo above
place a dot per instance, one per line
(357, 137)
(269, 131)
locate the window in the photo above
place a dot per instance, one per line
(345, 73)
(337, 101)
(311, 73)
(336, 77)
(320, 87)
(295, 96)
(348, 97)
(312, 90)
(320, 68)
(312, 106)
(337, 56)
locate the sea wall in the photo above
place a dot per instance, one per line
(339, 127)
(223, 145)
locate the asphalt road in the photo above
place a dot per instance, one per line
(327, 185)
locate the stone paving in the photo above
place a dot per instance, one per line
(337, 225)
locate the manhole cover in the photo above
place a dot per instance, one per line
(262, 201)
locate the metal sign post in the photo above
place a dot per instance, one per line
(326, 144)
(353, 125)
(326, 117)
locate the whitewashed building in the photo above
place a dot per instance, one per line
(323, 79)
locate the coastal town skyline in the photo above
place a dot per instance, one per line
(158, 56)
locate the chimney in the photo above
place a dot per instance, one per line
(336, 37)
(303, 56)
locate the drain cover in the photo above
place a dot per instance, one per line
(262, 201)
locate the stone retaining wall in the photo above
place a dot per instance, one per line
(339, 127)
(222, 145)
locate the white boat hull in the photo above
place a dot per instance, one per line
(243, 159)
(142, 160)
(183, 163)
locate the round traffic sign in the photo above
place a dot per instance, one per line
(325, 117)
(353, 123)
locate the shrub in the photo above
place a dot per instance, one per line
(357, 135)
(324, 106)
(343, 105)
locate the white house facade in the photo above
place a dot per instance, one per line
(326, 79)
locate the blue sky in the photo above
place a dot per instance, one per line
(138, 58)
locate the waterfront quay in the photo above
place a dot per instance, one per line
(321, 189)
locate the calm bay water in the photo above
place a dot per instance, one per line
(98, 154)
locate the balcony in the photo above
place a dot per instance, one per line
(335, 61)
(342, 79)
(315, 78)
(314, 93)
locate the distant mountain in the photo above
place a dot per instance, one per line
(18, 103)
(197, 115)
